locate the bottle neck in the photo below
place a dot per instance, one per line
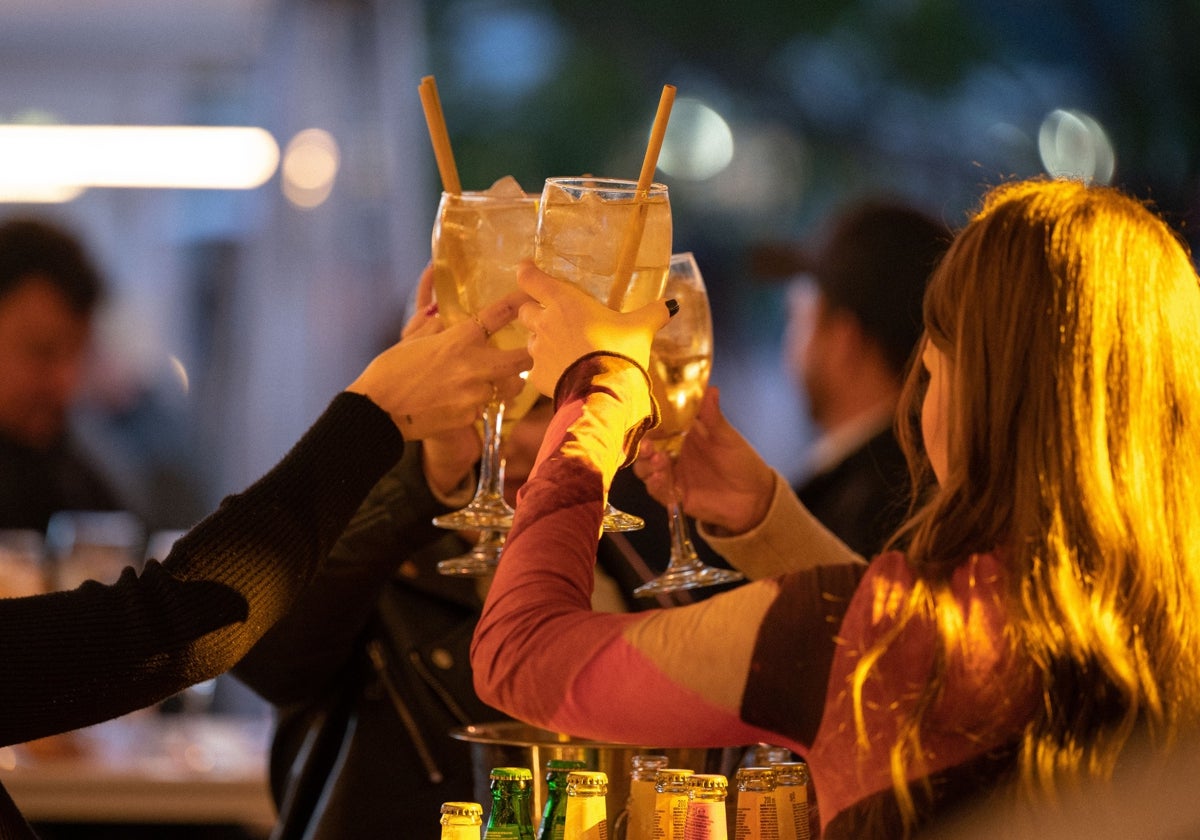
(587, 817)
(706, 817)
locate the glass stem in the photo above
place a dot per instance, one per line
(491, 468)
(683, 554)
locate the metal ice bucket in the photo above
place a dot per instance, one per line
(515, 744)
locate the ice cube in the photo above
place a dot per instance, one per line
(506, 187)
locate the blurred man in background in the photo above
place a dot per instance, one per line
(854, 320)
(49, 291)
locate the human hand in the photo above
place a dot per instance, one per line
(448, 457)
(437, 379)
(565, 323)
(720, 479)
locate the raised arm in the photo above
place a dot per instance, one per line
(541, 654)
(75, 658)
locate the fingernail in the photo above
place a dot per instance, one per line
(673, 307)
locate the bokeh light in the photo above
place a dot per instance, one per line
(1072, 144)
(504, 50)
(179, 373)
(310, 167)
(69, 158)
(698, 143)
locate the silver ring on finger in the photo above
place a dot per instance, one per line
(486, 332)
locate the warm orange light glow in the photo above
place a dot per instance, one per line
(310, 167)
(57, 162)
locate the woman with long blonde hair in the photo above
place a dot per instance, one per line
(1068, 320)
(1036, 610)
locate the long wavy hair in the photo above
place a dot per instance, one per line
(1071, 318)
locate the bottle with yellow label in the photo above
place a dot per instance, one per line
(587, 805)
(670, 803)
(797, 816)
(462, 820)
(636, 821)
(757, 808)
(706, 807)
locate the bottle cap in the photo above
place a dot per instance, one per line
(708, 781)
(790, 773)
(511, 774)
(671, 777)
(755, 778)
(587, 781)
(462, 809)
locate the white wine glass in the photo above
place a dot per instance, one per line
(680, 361)
(614, 242)
(479, 240)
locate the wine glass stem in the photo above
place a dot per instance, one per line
(683, 554)
(491, 469)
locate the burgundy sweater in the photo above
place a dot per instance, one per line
(771, 661)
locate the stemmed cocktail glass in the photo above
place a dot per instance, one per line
(479, 240)
(613, 240)
(680, 361)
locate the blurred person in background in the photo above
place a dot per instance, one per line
(854, 320)
(49, 292)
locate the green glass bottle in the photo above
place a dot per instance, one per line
(511, 817)
(554, 815)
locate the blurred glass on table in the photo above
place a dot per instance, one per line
(22, 563)
(92, 545)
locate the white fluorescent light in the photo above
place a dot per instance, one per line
(44, 158)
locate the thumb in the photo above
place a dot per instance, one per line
(710, 407)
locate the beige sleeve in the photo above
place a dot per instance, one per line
(788, 539)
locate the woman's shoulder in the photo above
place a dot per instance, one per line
(977, 569)
(887, 587)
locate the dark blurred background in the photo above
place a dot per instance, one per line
(236, 315)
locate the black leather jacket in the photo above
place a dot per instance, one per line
(369, 673)
(370, 670)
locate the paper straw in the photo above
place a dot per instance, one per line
(440, 137)
(633, 232)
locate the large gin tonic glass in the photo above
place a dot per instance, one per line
(613, 241)
(479, 240)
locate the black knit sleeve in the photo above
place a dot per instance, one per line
(70, 659)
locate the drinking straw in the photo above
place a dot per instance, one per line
(438, 134)
(633, 232)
